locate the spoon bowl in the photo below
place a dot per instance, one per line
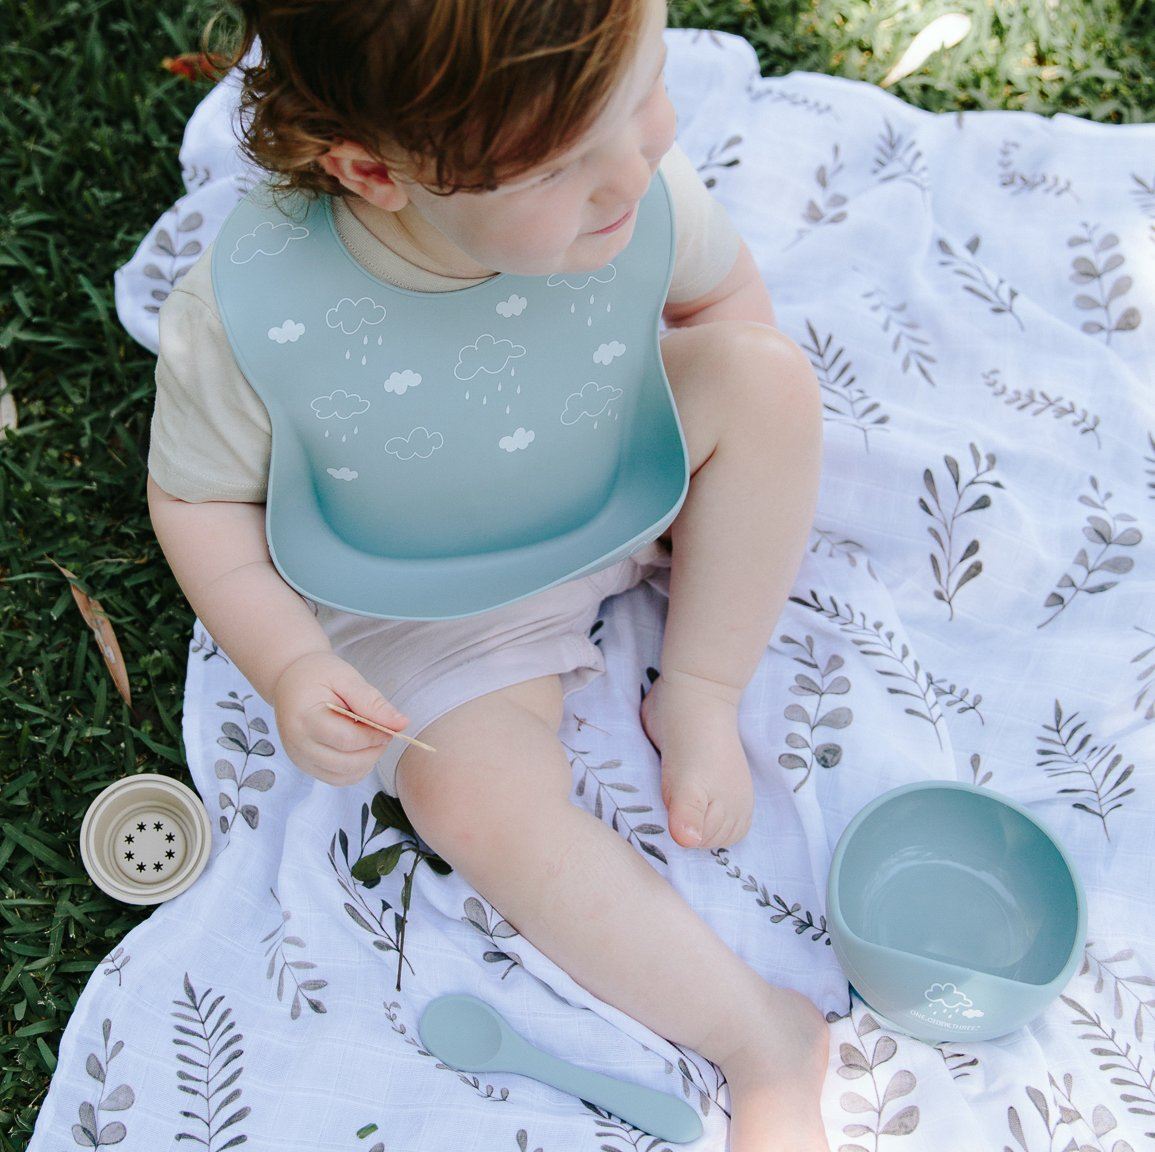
(467, 1034)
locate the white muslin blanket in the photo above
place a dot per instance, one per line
(976, 293)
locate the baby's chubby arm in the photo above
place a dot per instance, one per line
(217, 552)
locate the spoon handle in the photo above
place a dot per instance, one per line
(657, 1113)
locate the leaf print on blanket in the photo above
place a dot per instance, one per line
(1144, 193)
(1101, 1122)
(1150, 469)
(897, 663)
(214, 1043)
(1105, 534)
(627, 1138)
(118, 961)
(827, 754)
(604, 794)
(905, 333)
(801, 919)
(1124, 988)
(91, 1131)
(765, 88)
(1065, 753)
(842, 402)
(837, 545)
(898, 157)
(1137, 1084)
(237, 739)
(1040, 404)
(276, 953)
(176, 261)
(831, 210)
(497, 931)
(1089, 271)
(1146, 677)
(857, 1064)
(1018, 182)
(946, 515)
(716, 158)
(994, 290)
(488, 1092)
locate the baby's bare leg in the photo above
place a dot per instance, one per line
(750, 409)
(494, 801)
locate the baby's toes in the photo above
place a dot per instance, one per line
(690, 817)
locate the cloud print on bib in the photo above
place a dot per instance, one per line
(267, 239)
(487, 354)
(514, 306)
(420, 443)
(288, 333)
(350, 315)
(400, 382)
(344, 405)
(515, 443)
(591, 401)
(607, 353)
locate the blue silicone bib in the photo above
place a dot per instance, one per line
(436, 455)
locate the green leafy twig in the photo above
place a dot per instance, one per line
(978, 282)
(801, 919)
(388, 813)
(1106, 534)
(1066, 753)
(1040, 404)
(236, 739)
(841, 400)
(1089, 271)
(944, 565)
(826, 754)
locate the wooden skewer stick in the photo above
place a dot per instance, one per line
(380, 727)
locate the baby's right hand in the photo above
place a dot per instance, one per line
(319, 741)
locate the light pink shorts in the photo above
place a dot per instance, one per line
(426, 668)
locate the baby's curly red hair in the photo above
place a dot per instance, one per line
(469, 93)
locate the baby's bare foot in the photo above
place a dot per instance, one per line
(775, 1078)
(706, 781)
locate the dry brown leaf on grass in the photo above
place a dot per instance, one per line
(95, 617)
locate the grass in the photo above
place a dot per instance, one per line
(89, 130)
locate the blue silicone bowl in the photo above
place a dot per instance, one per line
(953, 912)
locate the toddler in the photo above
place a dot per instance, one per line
(459, 139)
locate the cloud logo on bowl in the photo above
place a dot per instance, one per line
(948, 1000)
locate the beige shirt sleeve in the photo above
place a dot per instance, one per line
(211, 436)
(707, 241)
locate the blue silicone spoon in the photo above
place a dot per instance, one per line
(469, 1035)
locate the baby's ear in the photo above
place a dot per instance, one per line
(364, 176)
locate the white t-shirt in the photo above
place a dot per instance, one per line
(211, 436)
